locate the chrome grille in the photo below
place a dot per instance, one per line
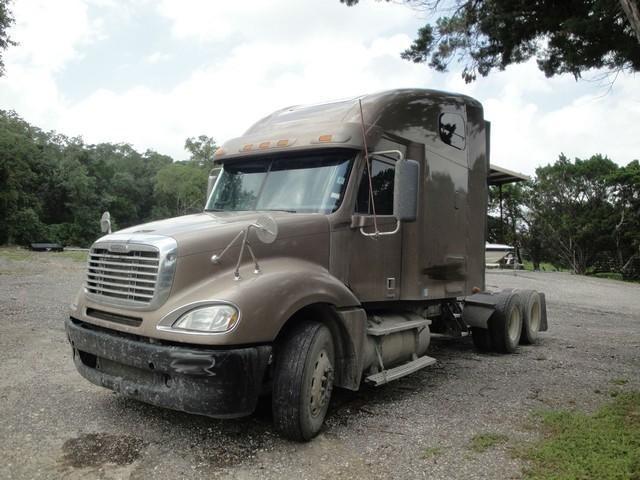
(129, 276)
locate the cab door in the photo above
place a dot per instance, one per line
(375, 262)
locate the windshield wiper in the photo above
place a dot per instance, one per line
(276, 210)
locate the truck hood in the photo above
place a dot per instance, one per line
(212, 231)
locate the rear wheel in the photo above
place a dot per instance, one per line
(303, 381)
(532, 316)
(505, 325)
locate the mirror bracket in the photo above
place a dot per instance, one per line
(266, 231)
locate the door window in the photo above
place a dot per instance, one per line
(382, 178)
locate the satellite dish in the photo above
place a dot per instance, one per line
(266, 229)
(105, 222)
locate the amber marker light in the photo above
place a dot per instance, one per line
(325, 138)
(283, 143)
(248, 147)
(264, 145)
(219, 152)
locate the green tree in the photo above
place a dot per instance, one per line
(6, 20)
(572, 203)
(505, 230)
(626, 181)
(202, 149)
(571, 36)
(53, 187)
(180, 189)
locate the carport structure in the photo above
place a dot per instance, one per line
(500, 176)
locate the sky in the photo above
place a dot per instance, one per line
(154, 72)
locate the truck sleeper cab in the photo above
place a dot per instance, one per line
(336, 240)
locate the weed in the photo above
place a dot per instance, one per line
(484, 441)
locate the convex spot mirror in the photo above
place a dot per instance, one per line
(405, 190)
(266, 229)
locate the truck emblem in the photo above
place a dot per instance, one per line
(118, 248)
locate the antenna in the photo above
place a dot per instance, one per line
(366, 159)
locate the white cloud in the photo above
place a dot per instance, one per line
(258, 20)
(224, 99)
(157, 57)
(269, 54)
(534, 119)
(50, 33)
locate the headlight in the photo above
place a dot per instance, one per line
(213, 319)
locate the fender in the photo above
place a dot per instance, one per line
(283, 286)
(479, 307)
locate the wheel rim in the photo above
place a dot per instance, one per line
(321, 383)
(534, 317)
(514, 325)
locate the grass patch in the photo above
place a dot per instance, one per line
(22, 255)
(484, 441)
(15, 254)
(619, 381)
(602, 446)
(75, 255)
(432, 452)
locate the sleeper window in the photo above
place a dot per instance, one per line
(452, 130)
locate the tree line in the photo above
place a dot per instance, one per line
(55, 188)
(581, 215)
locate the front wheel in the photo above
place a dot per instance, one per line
(303, 381)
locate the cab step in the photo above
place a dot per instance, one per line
(395, 326)
(400, 371)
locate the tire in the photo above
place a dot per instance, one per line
(505, 325)
(532, 316)
(481, 339)
(303, 381)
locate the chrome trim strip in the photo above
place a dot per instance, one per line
(128, 287)
(98, 276)
(130, 272)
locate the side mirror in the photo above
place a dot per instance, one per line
(105, 222)
(405, 190)
(213, 176)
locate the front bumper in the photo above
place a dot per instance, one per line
(220, 383)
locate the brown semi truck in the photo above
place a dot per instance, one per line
(336, 240)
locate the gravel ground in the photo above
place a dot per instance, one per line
(54, 424)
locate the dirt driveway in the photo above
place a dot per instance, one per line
(54, 424)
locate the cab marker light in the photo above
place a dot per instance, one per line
(332, 138)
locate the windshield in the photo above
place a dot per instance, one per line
(309, 183)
